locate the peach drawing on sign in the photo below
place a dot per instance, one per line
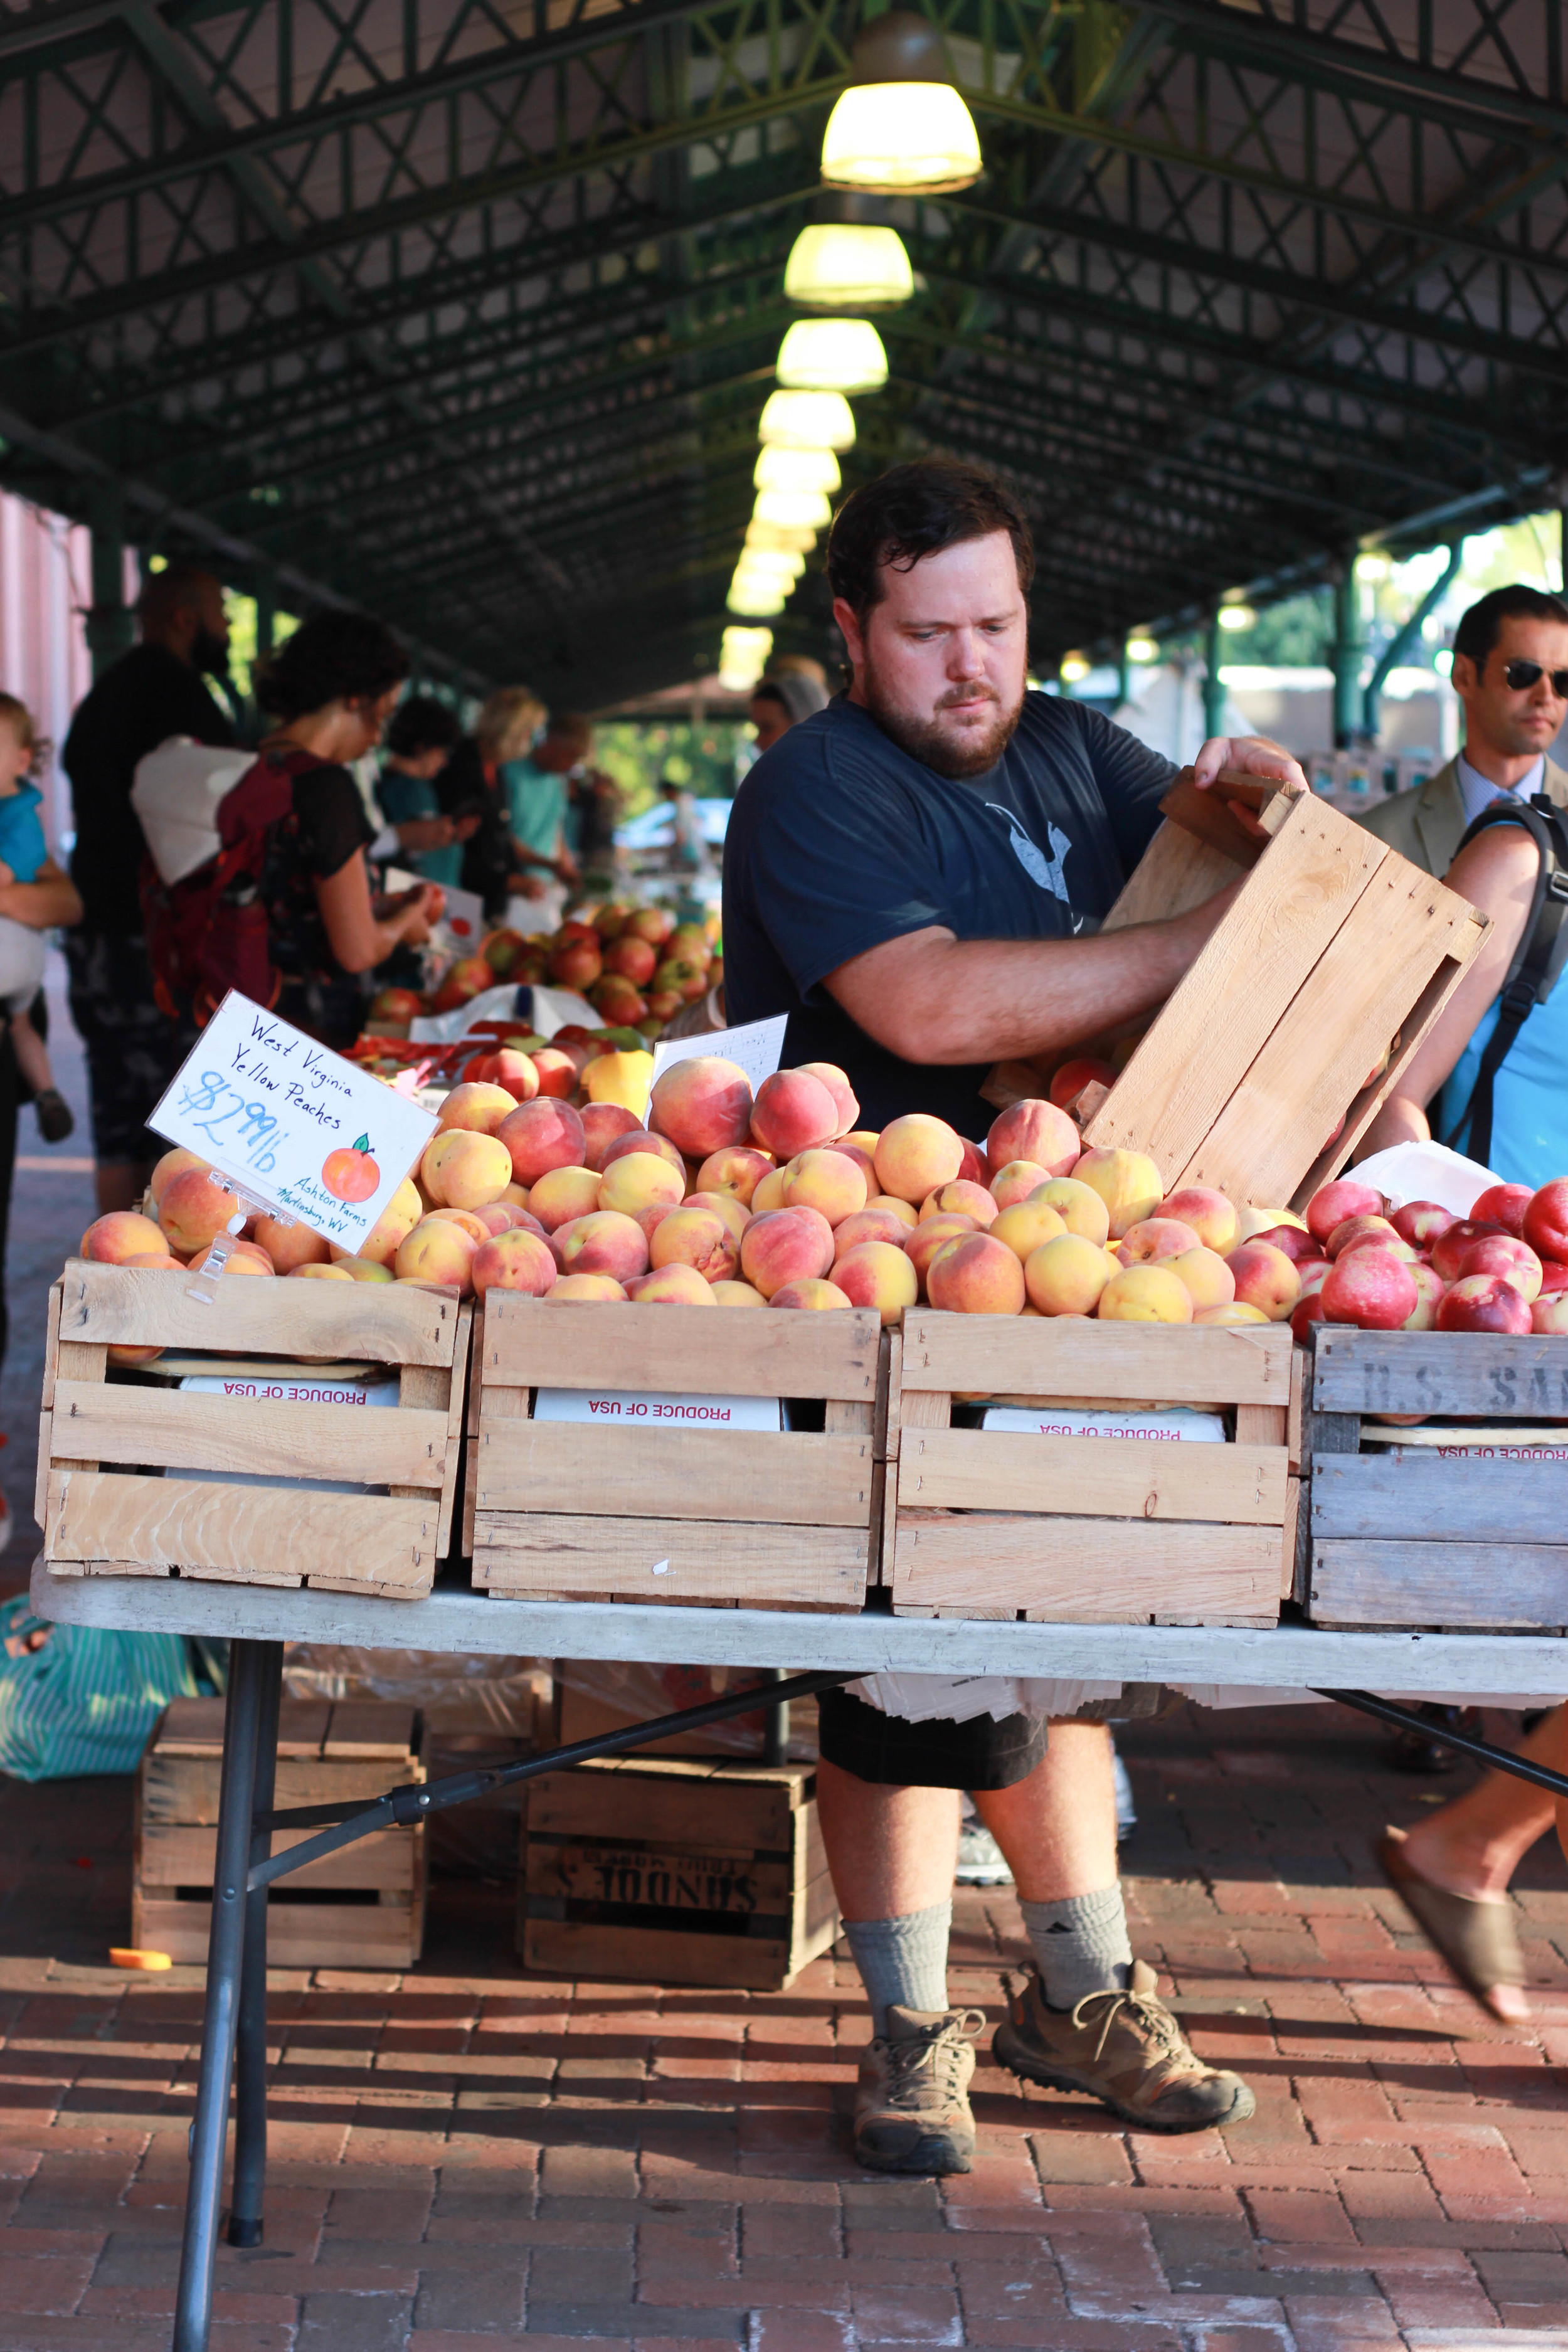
(350, 1173)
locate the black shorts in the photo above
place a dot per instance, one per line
(892, 1752)
(132, 1048)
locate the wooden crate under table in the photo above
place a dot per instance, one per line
(108, 1435)
(1440, 1538)
(997, 1523)
(678, 1872)
(360, 1908)
(612, 1510)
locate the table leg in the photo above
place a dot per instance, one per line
(225, 1954)
(251, 2063)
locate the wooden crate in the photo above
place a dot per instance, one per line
(995, 1523)
(108, 1433)
(676, 1871)
(1334, 948)
(1440, 1539)
(360, 1908)
(725, 1518)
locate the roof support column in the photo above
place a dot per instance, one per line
(1214, 686)
(111, 625)
(1345, 657)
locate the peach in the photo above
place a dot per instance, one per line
(438, 1252)
(1016, 1180)
(1034, 1129)
(588, 1286)
(478, 1109)
(509, 1067)
(864, 1138)
(515, 1261)
(769, 1194)
(1295, 1241)
(1548, 1316)
(906, 1211)
(1209, 1282)
(632, 958)
(1250, 1222)
(1211, 1215)
(1078, 1206)
(1371, 1288)
(196, 1206)
(812, 1291)
(542, 1135)
(697, 1238)
(869, 1224)
(1420, 1223)
(1499, 1254)
(464, 1169)
(737, 1293)
(1545, 1221)
(916, 1154)
(934, 1234)
(737, 1169)
(399, 1217)
(365, 1269)
(515, 1196)
(173, 1163)
(1127, 1182)
(1389, 1241)
(974, 1168)
(878, 1273)
(1233, 1312)
(248, 1257)
(1025, 1228)
(676, 1285)
(786, 1246)
(494, 1215)
(1069, 1080)
(603, 1124)
(1485, 1302)
(1330, 1204)
(726, 1208)
(793, 1112)
(603, 1241)
(643, 1139)
(564, 1193)
(829, 1074)
(471, 1222)
(976, 1275)
(1454, 1242)
(122, 1233)
(703, 1105)
(864, 1160)
(555, 1072)
(638, 1179)
(291, 1245)
(828, 1182)
(1312, 1273)
(1356, 1229)
(1265, 1277)
(1504, 1205)
(1429, 1291)
(1155, 1237)
(1067, 1276)
(320, 1273)
(1146, 1293)
(962, 1199)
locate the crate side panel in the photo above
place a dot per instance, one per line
(236, 1531)
(180, 1431)
(529, 1342)
(1086, 1571)
(1175, 872)
(699, 1474)
(1133, 1363)
(175, 1854)
(996, 1470)
(391, 1323)
(1480, 1587)
(1441, 1372)
(671, 1559)
(1455, 1501)
(579, 1949)
(299, 1935)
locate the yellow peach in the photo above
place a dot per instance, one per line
(787, 1245)
(737, 1293)
(473, 1223)
(1066, 1274)
(915, 1154)
(365, 1269)
(517, 1260)
(878, 1273)
(829, 1181)
(320, 1272)
(477, 1107)
(122, 1233)
(173, 1163)
(1234, 1311)
(1016, 1180)
(463, 1170)
(1155, 1237)
(195, 1207)
(934, 1234)
(1211, 1215)
(906, 1211)
(768, 1194)
(588, 1286)
(1266, 1278)
(603, 1241)
(870, 1224)
(399, 1217)
(1127, 1182)
(1249, 1222)
(563, 1194)
(1080, 1209)
(291, 1245)
(975, 1275)
(437, 1251)
(738, 1170)
(961, 1198)
(638, 1179)
(812, 1292)
(1025, 1228)
(697, 1238)
(726, 1208)
(1208, 1280)
(670, 1286)
(1145, 1294)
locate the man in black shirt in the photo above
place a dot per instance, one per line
(155, 691)
(916, 876)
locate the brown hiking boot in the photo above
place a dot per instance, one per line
(911, 2101)
(1124, 2049)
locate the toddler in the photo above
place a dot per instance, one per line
(22, 851)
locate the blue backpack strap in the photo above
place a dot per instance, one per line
(1537, 963)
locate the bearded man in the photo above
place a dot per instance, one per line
(916, 876)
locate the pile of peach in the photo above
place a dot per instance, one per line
(636, 965)
(1420, 1267)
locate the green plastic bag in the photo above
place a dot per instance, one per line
(84, 1700)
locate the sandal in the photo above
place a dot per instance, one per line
(1476, 1939)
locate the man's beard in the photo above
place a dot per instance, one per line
(971, 754)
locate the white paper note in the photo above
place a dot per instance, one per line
(756, 1048)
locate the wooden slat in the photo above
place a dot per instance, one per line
(1255, 965)
(1294, 1410)
(1447, 1373)
(1132, 1363)
(299, 1935)
(51, 1346)
(207, 1529)
(177, 1429)
(710, 1806)
(1317, 1059)
(176, 1856)
(1261, 1424)
(1087, 1571)
(1131, 1479)
(1500, 1587)
(361, 1728)
(184, 1789)
(529, 1343)
(456, 1399)
(674, 1474)
(1175, 872)
(390, 1323)
(574, 1948)
(713, 1882)
(1452, 1501)
(709, 1561)
(193, 1728)
(1292, 1537)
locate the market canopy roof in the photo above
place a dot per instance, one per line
(465, 310)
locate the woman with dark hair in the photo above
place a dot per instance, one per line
(331, 688)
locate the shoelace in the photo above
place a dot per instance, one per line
(907, 2059)
(1161, 2028)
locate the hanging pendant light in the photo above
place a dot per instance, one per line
(763, 563)
(832, 355)
(796, 470)
(849, 265)
(742, 657)
(807, 420)
(790, 540)
(757, 600)
(794, 510)
(901, 127)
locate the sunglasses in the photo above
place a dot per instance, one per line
(1518, 676)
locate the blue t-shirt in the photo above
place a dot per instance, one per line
(404, 797)
(840, 841)
(536, 799)
(1530, 1094)
(22, 843)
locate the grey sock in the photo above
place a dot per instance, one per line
(1081, 1946)
(902, 1960)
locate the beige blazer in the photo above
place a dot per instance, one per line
(1426, 825)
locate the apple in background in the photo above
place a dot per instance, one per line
(1429, 1289)
(1504, 1205)
(1499, 1254)
(1295, 1241)
(1330, 1204)
(1549, 1315)
(1545, 1226)
(1420, 1223)
(1371, 1288)
(1451, 1245)
(1484, 1302)
(1355, 1229)
(1309, 1311)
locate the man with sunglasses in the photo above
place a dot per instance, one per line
(1510, 673)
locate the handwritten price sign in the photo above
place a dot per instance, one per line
(291, 1123)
